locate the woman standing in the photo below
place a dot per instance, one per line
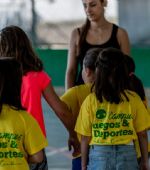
(96, 32)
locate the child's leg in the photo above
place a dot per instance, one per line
(40, 166)
(76, 163)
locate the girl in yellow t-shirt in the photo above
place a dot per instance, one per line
(111, 118)
(75, 96)
(19, 142)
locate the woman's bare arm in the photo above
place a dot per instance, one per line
(72, 60)
(123, 40)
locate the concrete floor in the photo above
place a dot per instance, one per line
(59, 158)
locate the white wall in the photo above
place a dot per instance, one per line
(69, 10)
(134, 15)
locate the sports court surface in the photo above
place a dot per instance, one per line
(59, 158)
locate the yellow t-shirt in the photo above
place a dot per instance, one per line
(137, 147)
(20, 136)
(112, 124)
(74, 98)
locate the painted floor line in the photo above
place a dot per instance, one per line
(56, 151)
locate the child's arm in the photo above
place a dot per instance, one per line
(62, 111)
(76, 147)
(36, 158)
(143, 143)
(85, 140)
(59, 107)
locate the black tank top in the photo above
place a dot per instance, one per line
(112, 42)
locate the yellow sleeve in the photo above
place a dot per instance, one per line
(34, 138)
(142, 118)
(71, 100)
(83, 124)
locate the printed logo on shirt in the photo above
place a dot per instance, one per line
(9, 148)
(112, 124)
(100, 114)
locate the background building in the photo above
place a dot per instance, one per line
(49, 22)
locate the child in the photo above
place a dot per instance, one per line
(76, 95)
(35, 82)
(135, 84)
(111, 118)
(19, 142)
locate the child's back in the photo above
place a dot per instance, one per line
(75, 96)
(18, 138)
(19, 142)
(33, 85)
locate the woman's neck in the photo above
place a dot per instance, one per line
(101, 24)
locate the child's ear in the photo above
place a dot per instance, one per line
(87, 71)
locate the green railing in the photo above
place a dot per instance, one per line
(55, 62)
(142, 60)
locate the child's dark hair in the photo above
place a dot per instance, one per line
(91, 58)
(10, 86)
(135, 84)
(130, 64)
(111, 76)
(15, 43)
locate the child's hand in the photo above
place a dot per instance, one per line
(73, 143)
(84, 168)
(144, 166)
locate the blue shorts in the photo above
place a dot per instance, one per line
(76, 164)
(113, 157)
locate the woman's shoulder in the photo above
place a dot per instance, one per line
(123, 40)
(76, 32)
(121, 31)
